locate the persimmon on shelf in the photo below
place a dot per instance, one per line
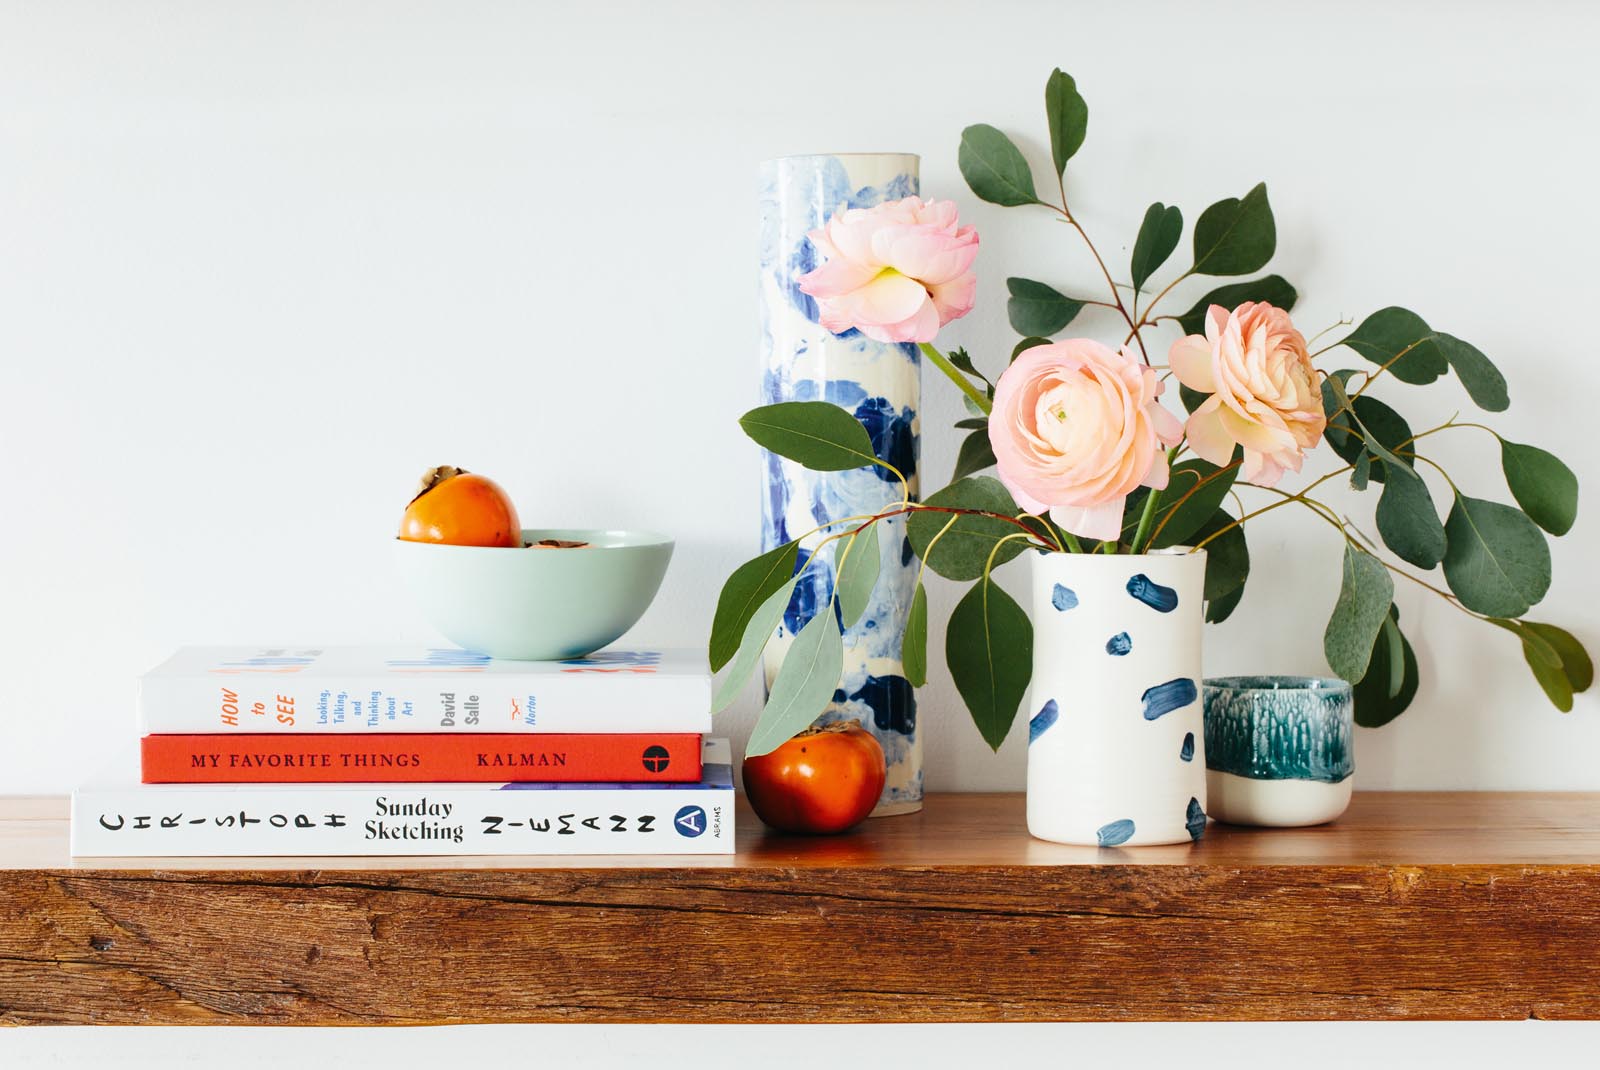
(461, 508)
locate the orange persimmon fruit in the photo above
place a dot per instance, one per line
(454, 506)
(825, 780)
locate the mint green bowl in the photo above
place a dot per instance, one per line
(534, 603)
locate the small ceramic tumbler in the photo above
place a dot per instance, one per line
(1278, 749)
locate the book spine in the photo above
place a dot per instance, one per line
(433, 819)
(417, 758)
(578, 703)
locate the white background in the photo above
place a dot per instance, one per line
(262, 264)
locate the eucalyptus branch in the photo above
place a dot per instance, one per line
(922, 565)
(1116, 295)
(1386, 365)
(1331, 327)
(1191, 492)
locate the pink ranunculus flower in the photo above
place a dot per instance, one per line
(1264, 391)
(897, 272)
(1076, 427)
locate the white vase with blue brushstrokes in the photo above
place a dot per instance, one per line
(881, 384)
(1116, 754)
(1279, 749)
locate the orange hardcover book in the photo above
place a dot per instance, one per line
(411, 757)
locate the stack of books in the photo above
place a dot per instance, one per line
(380, 751)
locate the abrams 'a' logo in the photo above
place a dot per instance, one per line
(690, 821)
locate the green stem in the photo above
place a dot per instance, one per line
(942, 362)
(1148, 517)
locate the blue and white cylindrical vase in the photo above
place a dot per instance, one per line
(881, 384)
(1116, 749)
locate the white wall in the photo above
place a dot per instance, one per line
(261, 264)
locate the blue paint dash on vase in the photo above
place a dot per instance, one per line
(1115, 833)
(1043, 720)
(1187, 751)
(1172, 695)
(1119, 644)
(1159, 598)
(1195, 819)
(1063, 598)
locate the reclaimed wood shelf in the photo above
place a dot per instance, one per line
(1413, 905)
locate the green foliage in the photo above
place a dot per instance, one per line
(1399, 339)
(1222, 608)
(1235, 236)
(1407, 520)
(964, 549)
(1038, 310)
(858, 573)
(976, 454)
(1482, 380)
(1195, 490)
(1158, 237)
(1027, 344)
(989, 648)
(762, 624)
(914, 644)
(1273, 289)
(1379, 422)
(1544, 487)
(749, 586)
(1068, 116)
(817, 434)
(961, 359)
(1496, 561)
(1365, 594)
(803, 686)
(1575, 660)
(1227, 557)
(1192, 399)
(994, 168)
(1391, 680)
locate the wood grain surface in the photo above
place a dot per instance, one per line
(1411, 906)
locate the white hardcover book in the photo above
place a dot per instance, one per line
(249, 820)
(417, 689)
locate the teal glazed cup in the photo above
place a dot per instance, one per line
(1278, 749)
(535, 603)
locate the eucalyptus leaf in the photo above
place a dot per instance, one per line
(963, 550)
(975, 455)
(1068, 116)
(1227, 555)
(1376, 701)
(757, 631)
(972, 423)
(1393, 644)
(1195, 490)
(1191, 399)
(1272, 289)
(914, 643)
(1407, 520)
(1389, 332)
(994, 168)
(1365, 595)
(746, 589)
(1222, 608)
(1235, 236)
(858, 574)
(989, 648)
(1544, 486)
(816, 434)
(1496, 559)
(1158, 237)
(1361, 470)
(1379, 422)
(1482, 380)
(1039, 310)
(1575, 660)
(1027, 344)
(803, 686)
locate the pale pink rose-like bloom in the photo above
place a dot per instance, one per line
(896, 273)
(1076, 427)
(1264, 391)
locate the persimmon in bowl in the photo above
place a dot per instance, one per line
(564, 593)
